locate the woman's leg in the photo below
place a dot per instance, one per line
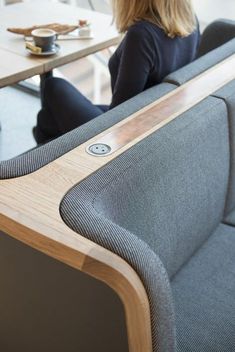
(64, 108)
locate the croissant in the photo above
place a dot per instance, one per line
(57, 27)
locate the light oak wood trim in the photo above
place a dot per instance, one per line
(29, 205)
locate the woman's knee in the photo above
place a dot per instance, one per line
(53, 88)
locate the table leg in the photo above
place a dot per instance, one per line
(43, 78)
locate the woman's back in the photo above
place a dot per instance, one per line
(146, 56)
(160, 38)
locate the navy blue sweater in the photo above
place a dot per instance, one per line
(145, 56)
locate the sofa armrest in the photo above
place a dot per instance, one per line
(216, 34)
(38, 157)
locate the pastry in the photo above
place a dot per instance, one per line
(33, 48)
(57, 27)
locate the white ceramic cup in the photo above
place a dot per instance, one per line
(44, 38)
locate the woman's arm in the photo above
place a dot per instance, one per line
(135, 65)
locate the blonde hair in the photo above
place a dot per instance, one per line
(175, 17)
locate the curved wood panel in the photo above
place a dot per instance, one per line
(29, 205)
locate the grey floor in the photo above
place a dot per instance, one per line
(17, 116)
(18, 109)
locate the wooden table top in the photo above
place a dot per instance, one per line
(20, 64)
(15, 68)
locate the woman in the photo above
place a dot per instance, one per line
(161, 36)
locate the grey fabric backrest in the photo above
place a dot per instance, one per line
(46, 306)
(161, 199)
(228, 95)
(39, 157)
(201, 64)
(216, 34)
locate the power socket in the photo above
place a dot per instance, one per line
(99, 149)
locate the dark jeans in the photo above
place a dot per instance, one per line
(63, 109)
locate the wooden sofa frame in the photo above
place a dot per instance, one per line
(29, 205)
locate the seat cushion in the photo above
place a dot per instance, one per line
(230, 218)
(204, 295)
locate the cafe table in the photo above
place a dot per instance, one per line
(17, 64)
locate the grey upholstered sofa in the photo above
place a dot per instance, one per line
(165, 207)
(169, 192)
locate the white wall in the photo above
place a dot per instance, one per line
(208, 10)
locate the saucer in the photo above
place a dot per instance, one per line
(54, 50)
